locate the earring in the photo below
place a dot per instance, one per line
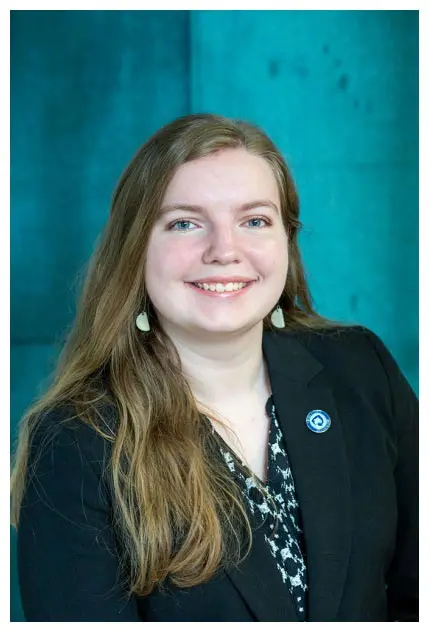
(142, 322)
(277, 317)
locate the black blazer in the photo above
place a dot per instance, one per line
(356, 484)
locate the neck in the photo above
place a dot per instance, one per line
(224, 369)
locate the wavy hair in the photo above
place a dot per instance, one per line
(177, 510)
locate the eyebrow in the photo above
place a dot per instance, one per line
(198, 209)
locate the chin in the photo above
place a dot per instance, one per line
(226, 327)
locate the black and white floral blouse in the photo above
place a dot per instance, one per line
(286, 540)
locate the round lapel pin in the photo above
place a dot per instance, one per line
(318, 421)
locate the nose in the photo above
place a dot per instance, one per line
(222, 246)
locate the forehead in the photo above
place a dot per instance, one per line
(230, 174)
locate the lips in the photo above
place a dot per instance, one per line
(223, 283)
(223, 280)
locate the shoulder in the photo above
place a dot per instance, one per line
(355, 358)
(342, 346)
(350, 355)
(329, 345)
(67, 470)
(62, 439)
(341, 338)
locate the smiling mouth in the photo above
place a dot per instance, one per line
(222, 288)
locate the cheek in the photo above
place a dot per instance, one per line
(169, 261)
(273, 254)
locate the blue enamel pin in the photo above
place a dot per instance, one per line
(318, 421)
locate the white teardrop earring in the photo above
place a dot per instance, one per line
(142, 322)
(277, 317)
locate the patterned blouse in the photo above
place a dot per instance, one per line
(286, 541)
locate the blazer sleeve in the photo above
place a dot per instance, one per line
(402, 580)
(67, 557)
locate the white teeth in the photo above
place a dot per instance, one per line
(222, 288)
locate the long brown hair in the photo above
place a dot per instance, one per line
(177, 509)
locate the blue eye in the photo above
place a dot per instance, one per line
(257, 218)
(174, 226)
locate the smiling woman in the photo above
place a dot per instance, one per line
(212, 449)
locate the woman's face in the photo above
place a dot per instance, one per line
(220, 227)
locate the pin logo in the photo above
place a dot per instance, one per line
(318, 421)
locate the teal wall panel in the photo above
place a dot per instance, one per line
(338, 92)
(87, 87)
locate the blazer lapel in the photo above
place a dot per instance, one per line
(319, 466)
(260, 584)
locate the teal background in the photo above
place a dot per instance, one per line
(336, 90)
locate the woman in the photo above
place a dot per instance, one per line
(211, 449)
